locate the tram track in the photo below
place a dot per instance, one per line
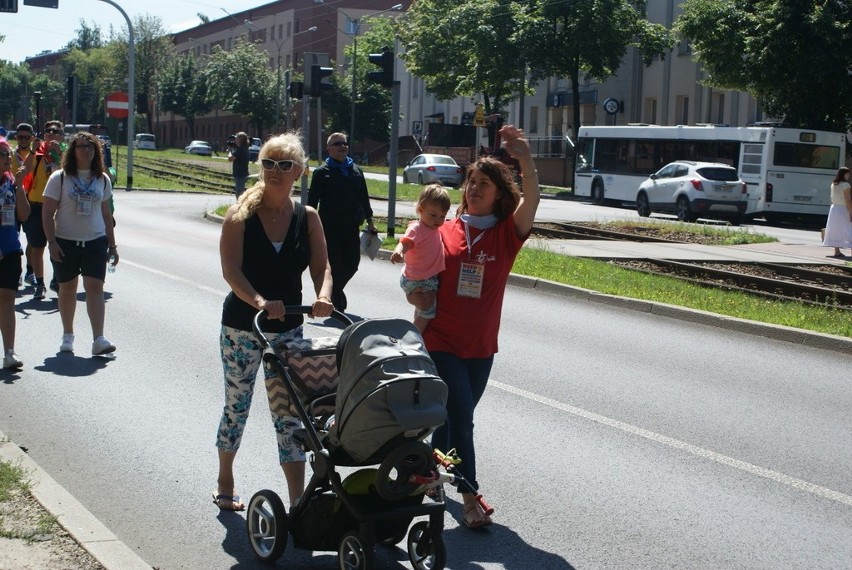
(822, 285)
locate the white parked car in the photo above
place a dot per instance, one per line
(145, 141)
(202, 148)
(694, 190)
(426, 168)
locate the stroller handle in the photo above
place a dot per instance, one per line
(293, 309)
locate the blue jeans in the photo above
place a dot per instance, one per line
(466, 379)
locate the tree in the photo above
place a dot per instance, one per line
(468, 48)
(87, 37)
(153, 47)
(591, 37)
(373, 102)
(183, 90)
(793, 56)
(241, 82)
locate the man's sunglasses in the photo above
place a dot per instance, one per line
(53, 131)
(283, 165)
(23, 137)
(339, 143)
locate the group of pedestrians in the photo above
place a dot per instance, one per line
(59, 194)
(269, 239)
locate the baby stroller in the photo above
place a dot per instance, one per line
(388, 399)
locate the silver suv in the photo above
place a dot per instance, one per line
(694, 190)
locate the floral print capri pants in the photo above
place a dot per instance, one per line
(241, 359)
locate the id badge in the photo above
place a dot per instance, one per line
(84, 205)
(7, 215)
(470, 280)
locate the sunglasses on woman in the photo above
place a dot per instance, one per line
(283, 165)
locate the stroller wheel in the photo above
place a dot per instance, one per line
(351, 554)
(425, 551)
(266, 524)
(412, 458)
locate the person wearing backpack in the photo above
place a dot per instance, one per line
(80, 236)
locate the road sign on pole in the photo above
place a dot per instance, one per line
(118, 105)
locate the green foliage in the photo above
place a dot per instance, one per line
(793, 57)
(607, 278)
(591, 37)
(87, 37)
(184, 90)
(242, 82)
(478, 47)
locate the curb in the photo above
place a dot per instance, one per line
(87, 530)
(807, 338)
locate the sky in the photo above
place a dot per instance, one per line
(33, 29)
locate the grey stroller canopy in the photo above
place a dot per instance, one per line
(389, 391)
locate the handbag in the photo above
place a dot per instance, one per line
(370, 243)
(311, 364)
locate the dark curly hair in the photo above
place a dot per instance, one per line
(69, 161)
(841, 174)
(508, 194)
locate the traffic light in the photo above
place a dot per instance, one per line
(385, 61)
(297, 90)
(70, 84)
(317, 84)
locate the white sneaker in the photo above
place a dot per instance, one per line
(67, 343)
(102, 346)
(11, 360)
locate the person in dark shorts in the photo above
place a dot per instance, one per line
(80, 236)
(13, 208)
(48, 159)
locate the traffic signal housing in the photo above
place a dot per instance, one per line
(296, 90)
(385, 61)
(319, 72)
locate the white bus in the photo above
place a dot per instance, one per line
(788, 171)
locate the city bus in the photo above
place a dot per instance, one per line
(95, 129)
(787, 171)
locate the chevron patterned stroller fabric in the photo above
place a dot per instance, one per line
(312, 365)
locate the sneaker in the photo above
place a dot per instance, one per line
(67, 343)
(39, 292)
(102, 346)
(30, 279)
(54, 286)
(11, 360)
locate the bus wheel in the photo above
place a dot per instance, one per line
(684, 214)
(598, 192)
(642, 205)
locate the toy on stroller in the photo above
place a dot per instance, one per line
(388, 399)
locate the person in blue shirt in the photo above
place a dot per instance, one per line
(14, 208)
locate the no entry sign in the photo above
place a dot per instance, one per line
(117, 105)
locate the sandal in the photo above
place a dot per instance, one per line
(474, 517)
(228, 502)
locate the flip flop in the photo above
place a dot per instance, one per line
(234, 503)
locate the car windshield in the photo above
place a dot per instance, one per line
(718, 173)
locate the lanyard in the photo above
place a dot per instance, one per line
(467, 238)
(80, 190)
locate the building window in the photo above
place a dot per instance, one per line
(684, 48)
(533, 119)
(682, 110)
(650, 111)
(351, 26)
(289, 29)
(718, 110)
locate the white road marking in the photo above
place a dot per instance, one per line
(175, 278)
(681, 445)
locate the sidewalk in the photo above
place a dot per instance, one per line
(87, 530)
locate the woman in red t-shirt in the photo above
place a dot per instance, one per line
(480, 246)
